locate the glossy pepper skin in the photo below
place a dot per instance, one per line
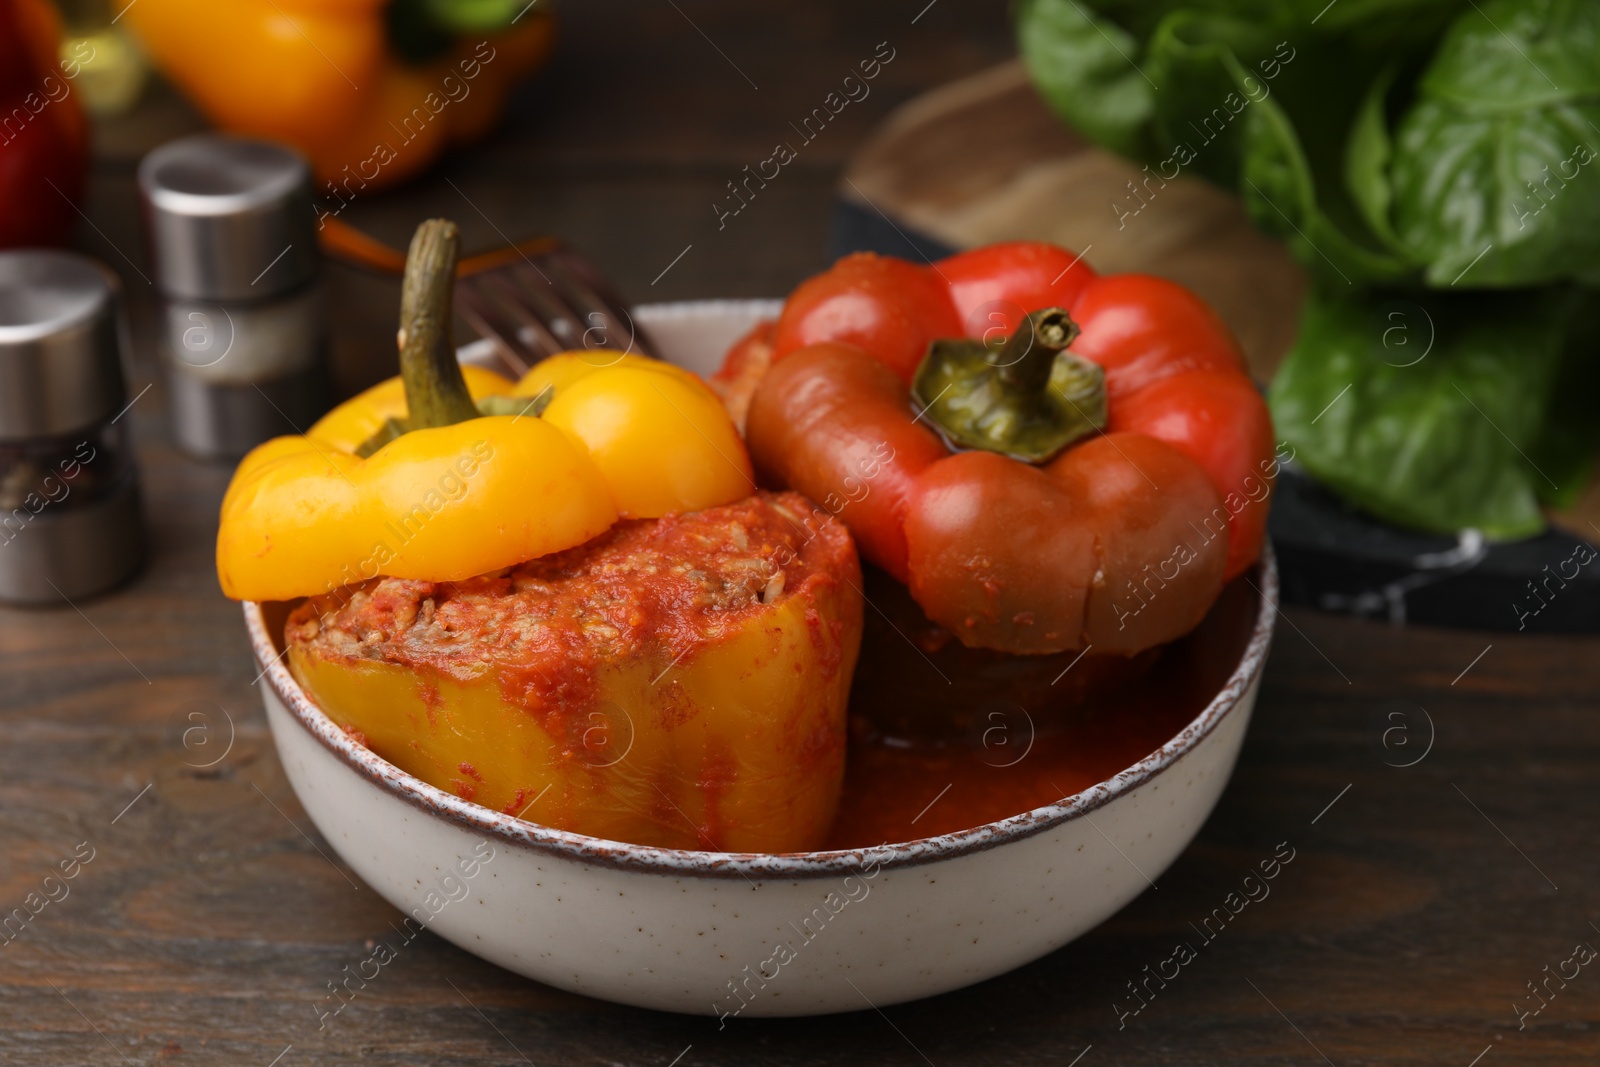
(1172, 369)
(304, 515)
(323, 76)
(441, 503)
(659, 437)
(1004, 554)
(620, 437)
(44, 136)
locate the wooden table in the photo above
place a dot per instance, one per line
(204, 929)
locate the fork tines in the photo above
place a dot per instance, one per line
(540, 298)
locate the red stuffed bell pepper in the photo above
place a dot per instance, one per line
(1048, 458)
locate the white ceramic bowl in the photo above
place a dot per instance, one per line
(750, 934)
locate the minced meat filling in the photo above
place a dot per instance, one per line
(642, 588)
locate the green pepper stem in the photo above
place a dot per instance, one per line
(1028, 355)
(1027, 398)
(436, 393)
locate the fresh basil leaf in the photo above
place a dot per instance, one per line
(1508, 55)
(1317, 219)
(1499, 199)
(1192, 57)
(1494, 168)
(1380, 23)
(1141, 17)
(1238, 103)
(1427, 413)
(1366, 161)
(1086, 70)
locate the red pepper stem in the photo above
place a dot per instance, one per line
(436, 393)
(1029, 354)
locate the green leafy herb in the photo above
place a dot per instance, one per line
(1494, 170)
(1318, 219)
(1244, 99)
(1489, 166)
(1429, 413)
(1404, 150)
(1084, 67)
(1366, 166)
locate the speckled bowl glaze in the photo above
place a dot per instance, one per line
(726, 934)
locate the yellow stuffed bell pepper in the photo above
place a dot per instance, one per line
(370, 90)
(574, 608)
(679, 683)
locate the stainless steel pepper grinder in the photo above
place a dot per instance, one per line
(232, 233)
(69, 488)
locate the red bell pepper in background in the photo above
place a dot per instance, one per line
(1056, 554)
(44, 136)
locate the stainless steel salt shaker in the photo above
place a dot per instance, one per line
(69, 489)
(233, 237)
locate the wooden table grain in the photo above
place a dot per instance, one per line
(1437, 789)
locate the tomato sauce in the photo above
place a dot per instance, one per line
(966, 738)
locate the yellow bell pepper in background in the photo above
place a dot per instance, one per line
(327, 77)
(461, 495)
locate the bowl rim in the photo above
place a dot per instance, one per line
(650, 859)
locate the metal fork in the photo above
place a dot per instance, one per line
(532, 299)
